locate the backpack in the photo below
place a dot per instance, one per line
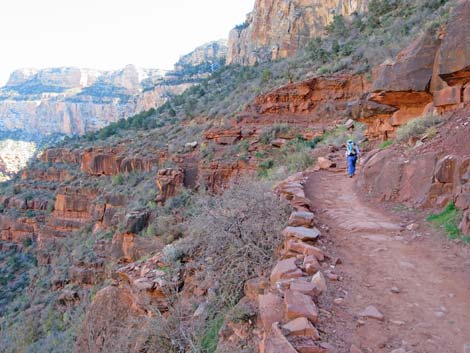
(351, 148)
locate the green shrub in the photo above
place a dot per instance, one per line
(316, 52)
(338, 26)
(210, 339)
(448, 220)
(265, 167)
(385, 144)
(266, 75)
(118, 179)
(417, 126)
(27, 242)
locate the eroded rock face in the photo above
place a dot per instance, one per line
(311, 97)
(429, 176)
(454, 55)
(431, 75)
(169, 182)
(17, 230)
(277, 29)
(74, 101)
(404, 85)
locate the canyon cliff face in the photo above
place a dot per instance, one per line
(207, 57)
(278, 28)
(37, 106)
(74, 101)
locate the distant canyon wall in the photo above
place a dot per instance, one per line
(74, 101)
(278, 28)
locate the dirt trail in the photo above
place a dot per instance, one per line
(431, 314)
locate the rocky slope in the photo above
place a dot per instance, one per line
(130, 254)
(37, 104)
(277, 29)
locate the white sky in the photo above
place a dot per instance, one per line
(109, 34)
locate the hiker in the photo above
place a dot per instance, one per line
(352, 153)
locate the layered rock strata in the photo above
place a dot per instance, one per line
(276, 29)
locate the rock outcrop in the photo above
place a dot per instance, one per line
(204, 59)
(432, 75)
(317, 99)
(278, 28)
(430, 175)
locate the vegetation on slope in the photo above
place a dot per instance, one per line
(33, 322)
(448, 220)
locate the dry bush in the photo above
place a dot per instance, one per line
(234, 235)
(417, 126)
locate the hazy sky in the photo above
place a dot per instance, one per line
(109, 34)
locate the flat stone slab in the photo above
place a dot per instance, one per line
(303, 286)
(301, 233)
(301, 219)
(301, 327)
(372, 312)
(305, 249)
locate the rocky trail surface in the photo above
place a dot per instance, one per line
(416, 280)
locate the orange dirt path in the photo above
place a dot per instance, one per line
(431, 314)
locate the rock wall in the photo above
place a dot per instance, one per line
(318, 98)
(278, 28)
(287, 302)
(430, 76)
(430, 175)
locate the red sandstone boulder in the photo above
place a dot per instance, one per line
(285, 269)
(275, 342)
(448, 96)
(255, 287)
(411, 71)
(300, 305)
(454, 54)
(324, 163)
(301, 285)
(305, 249)
(445, 169)
(301, 219)
(301, 233)
(311, 265)
(318, 280)
(270, 310)
(301, 327)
